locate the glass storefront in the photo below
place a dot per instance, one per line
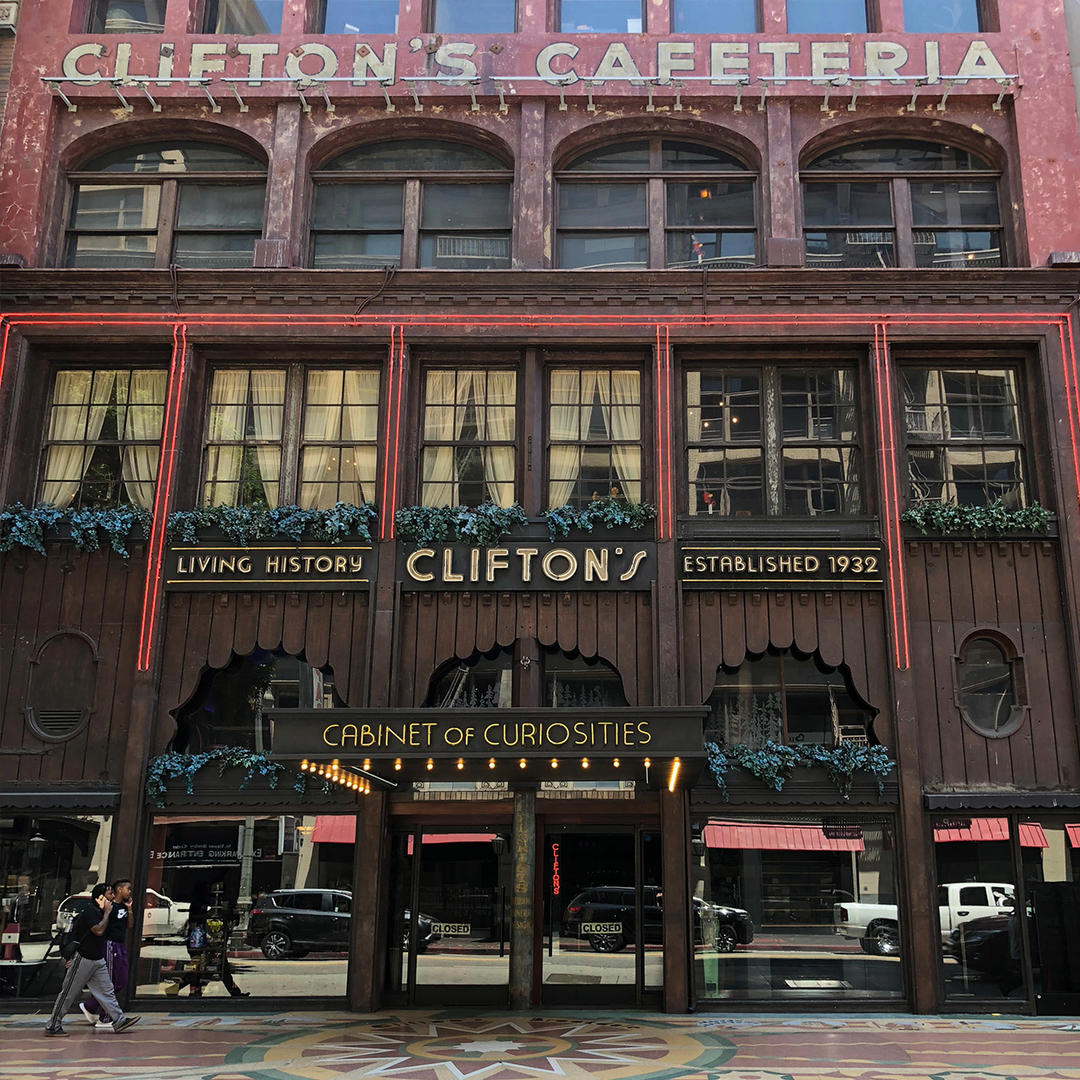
(48, 865)
(795, 907)
(252, 904)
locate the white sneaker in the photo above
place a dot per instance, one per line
(91, 1018)
(103, 1027)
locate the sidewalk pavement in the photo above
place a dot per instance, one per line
(441, 1044)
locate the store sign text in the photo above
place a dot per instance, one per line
(782, 566)
(207, 567)
(559, 63)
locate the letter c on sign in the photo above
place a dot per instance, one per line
(326, 734)
(413, 559)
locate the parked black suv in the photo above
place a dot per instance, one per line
(613, 907)
(292, 922)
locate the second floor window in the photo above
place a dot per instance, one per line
(103, 437)
(359, 17)
(934, 17)
(413, 203)
(469, 431)
(964, 441)
(127, 16)
(601, 17)
(195, 205)
(656, 203)
(834, 17)
(708, 17)
(474, 16)
(773, 441)
(247, 17)
(252, 441)
(855, 199)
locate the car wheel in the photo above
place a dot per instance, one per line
(276, 945)
(607, 942)
(725, 939)
(883, 939)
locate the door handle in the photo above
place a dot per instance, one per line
(963, 913)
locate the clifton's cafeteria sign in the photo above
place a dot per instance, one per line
(559, 63)
(268, 565)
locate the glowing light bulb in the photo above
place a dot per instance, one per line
(491, 764)
(461, 763)
(522, 763)
(430, 764)
(616, 763)
(584, 762)
(554, 763)
(367, 764)
(397, 764)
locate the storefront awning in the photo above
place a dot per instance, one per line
(334, 829)
(455, 838)
(1073, 832)
(988, 828)
(739, 835)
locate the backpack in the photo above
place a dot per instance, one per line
(68, 944)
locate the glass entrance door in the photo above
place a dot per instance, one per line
(450, 939)
(603, 932)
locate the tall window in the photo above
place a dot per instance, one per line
(469, 437)
(773, 441)
(414, 202)
(601, 17)
(185, 204)
(248, 17)
(252, 444)
(127, 16)
(948, 195)
(709, 17)
(474, 16)
(594, 435)
(656, 202)
(359, 17)
(104, 435)
(964, 440)
(985, 688)
(834, 17)
(934, 17)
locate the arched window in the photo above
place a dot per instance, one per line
(483, 681)
(784, 698)
(989, 686)
(127, 16)
(656, 203)
(914, 204)
(196, 205)
(412, 203)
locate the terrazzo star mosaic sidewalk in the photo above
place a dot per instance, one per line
(448, 1045)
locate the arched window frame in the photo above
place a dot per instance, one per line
(168, 225)
(894, 243)
(655, 226)
(1020, 707)
(412, 230)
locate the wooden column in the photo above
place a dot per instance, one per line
(676, 846)
(522, 899)
(367, 956)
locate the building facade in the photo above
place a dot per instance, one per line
(744, 335)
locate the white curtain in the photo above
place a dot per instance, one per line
(322, 426)
(144, 397)
(360, 425)
(564, 428)
(268, 396)
(88, 393)
(228, 404)
(497, 423)
(624, 428)
(443, 421)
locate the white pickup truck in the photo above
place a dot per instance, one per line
(877, 926)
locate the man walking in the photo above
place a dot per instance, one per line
(87, 967)
(116, 955)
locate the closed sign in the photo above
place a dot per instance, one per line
(452, 928)
(601, 928)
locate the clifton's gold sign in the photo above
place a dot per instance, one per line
(783, 566)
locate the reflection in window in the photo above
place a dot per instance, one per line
(127, 17)
(474, 17)
(781, 698)
(171, 211)
(360, 17)
(469, 437)
(834, 17)
(709, 17)
(483, 681)
(934, 17)
(248, 17)
(103, 437)
(463, 194)
(773, 441)
(604, 198)
(985, 692)
(963, 436)
(601, 17)
(956, 221)
(594, 430)
(572, 681)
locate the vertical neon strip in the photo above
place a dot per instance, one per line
(3, 349)
(384, 501)
(660, 524)
(668, 434)
(886, 502)
(894, 469)
(166, 463)
(1072, 395)
(397, 425)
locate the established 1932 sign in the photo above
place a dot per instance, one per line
(782, 566)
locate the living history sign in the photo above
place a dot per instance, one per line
(266, 565)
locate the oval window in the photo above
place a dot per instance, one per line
(986, 693)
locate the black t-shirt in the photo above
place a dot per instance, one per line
(91, 945)
(119, 921)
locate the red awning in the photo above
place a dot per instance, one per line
(994, 828)
(1073, 832)
(731, 834)
(334, 829)
(454, 838)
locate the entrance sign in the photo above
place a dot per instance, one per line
(265, 565)
(782, 566)
(530, 565)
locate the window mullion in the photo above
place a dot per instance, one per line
(903, 223)
(290, 435)
(770, 434)
(657, 236)
(410, 240)
(170, 202)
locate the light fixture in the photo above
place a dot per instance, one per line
(430, 764)
(491, 763)
(37, 838)
(304, 765)
(367, 764)
(522, 763)
(554, 763)
(397, 764)
(616, 763)
(461, 763)
(584, 762)
(673, 778)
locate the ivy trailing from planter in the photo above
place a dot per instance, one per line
(174, 766)
(610, 511)
(996, 519)
(477, 526)
(774, 763)
(243, 524)
(26, 526)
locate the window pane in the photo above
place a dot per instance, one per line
(834, 17)
(474, 17)
(933, 17)
(601, 206)
(599, 251)
(818, 405)
(960, 404)
(127, 16)
(416, 156)
(957, 250)
(728, 483)
(345, 250)
(899, 157)
(130, 206)
(102, 250)
(211, 206)
(986, 685)
(723, 408)
(207, 251)
(249, 17)
(361, 17)
(859, 204)
(466, 206)
(709, 17)
(689, 249)
(172, 157)
(626, 157)
(865, 248)
(689, 157)
(459, 251)
(358, 206)
(601, 17)
(820, 480)
(945, 203)
(710, 203)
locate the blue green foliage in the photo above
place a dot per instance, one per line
(997, 519)
(243, 524)
(610, 512)
(477, 526)
(27, 526)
